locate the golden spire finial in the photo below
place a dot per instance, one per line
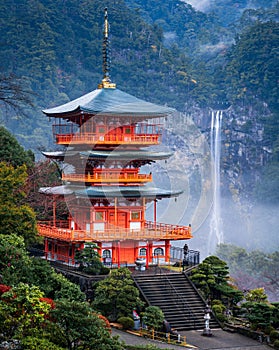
(106, 82)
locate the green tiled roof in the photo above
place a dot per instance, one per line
(127, 154)
(119, 154)
(110, 102)
(111, 191)
(126, 192)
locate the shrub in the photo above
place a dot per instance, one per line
(276, 344)
(126, 322)
(153, 317)
(268, 329)
(104, 270)
(274, 335)
(33, 343)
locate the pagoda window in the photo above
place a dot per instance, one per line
(99, 216)
(158, 251)
(101, 129)
(135, 215)
(142, 252)
(99, 224)
(106, 253)
(127, 130)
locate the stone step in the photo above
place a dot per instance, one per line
(181, 304)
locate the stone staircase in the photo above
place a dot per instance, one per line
(176, 296)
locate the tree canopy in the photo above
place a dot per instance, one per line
(15, 216)
(116, 295)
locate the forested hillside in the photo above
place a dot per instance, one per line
(169, 52)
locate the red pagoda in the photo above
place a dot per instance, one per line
(107, 135)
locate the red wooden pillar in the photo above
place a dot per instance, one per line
(46, 248)
(147, 255)
(155, 213)
(149, 249)
(167, 250)
(118, 254)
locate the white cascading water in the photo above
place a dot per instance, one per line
(216, 230)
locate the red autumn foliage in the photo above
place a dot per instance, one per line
(4, 288)
(49, 301)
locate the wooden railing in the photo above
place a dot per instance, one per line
(108, 177)
(108, 139)
(150, 231)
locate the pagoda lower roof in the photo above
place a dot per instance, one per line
(111, 192)
(109, 101)
(112, 155)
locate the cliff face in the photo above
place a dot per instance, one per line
(244, 220)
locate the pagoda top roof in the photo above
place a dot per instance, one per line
(109, 101)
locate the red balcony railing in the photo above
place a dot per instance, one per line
(109, 177)
(150, 231)
(107, 139)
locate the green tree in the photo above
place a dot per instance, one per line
(212, 278)
(252, 68)
(14, 259)
(81, 328)
(22, 311)
(11, 152)
(259, 312)
(256, 295)
(116, 295)
(15, 216)
(89, 259)
(153, 317)
(34, 343)
(53, 284)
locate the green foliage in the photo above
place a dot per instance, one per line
(142, 347)
(274, 335)
(22, 311)
(126, 322)
(212, 278)
(116, 295)
(54, 285)
(14, 260)
(260, 315)
(11, 152)
(16, 266)
(153, 317)
(15, 216)
(67, 290)
(89, 259)
(33, 343)
(276, 344)
(256, 295)
(252, 64)
(81, 328)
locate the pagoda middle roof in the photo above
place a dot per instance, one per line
(109, 101)
(112, 155)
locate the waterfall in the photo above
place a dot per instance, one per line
(216, 230)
